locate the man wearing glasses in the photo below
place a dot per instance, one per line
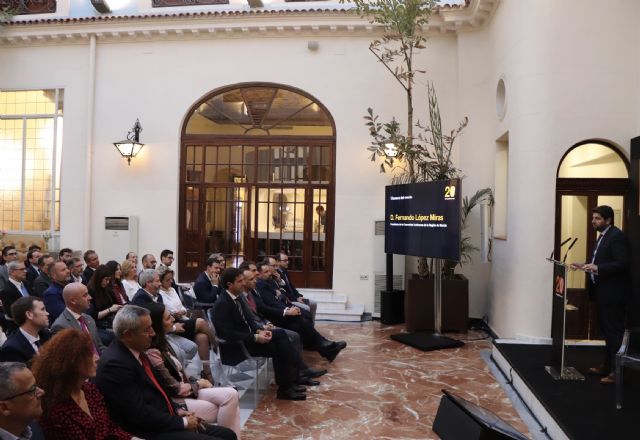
(9, 254)
(15, 289)
(19, 403)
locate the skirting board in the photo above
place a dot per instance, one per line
(540, 412)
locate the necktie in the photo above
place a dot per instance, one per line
(252, 302)
(37, 345)
(85, 329)
(239, 306)
(24, 290)
(147, 369)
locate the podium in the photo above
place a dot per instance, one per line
(558, 369)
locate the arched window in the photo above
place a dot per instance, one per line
(257, 178)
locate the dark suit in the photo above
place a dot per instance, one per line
(9, 295)
(53, 301)
(32, 274)
(290, 289)
(41, 284)
(67, 320)
(204, 290)
(231, 326)
(18, 349)
(135, 403)
(142, 297)
(87, 274)
(611, 288)
(271, 307)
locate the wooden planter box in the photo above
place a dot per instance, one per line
(418, 304)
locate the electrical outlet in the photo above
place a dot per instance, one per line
(364, 277)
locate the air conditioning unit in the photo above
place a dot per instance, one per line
(380, 268)
(120, 236)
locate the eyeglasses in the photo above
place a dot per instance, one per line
(12, 253)
(32, 391)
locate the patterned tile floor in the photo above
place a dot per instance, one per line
(380, 389)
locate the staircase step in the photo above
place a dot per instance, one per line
(352, 313)
(317, 294)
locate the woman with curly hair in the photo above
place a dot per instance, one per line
(211, 404)
(72, 407)
(103, 302)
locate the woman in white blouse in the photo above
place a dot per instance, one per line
(129, 278)
(194, 329)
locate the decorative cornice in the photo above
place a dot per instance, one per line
(229, 23)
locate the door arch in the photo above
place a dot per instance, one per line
(591, 173)
(257, 176)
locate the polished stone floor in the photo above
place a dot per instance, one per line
(380, 389)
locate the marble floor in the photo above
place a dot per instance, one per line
(378, 388)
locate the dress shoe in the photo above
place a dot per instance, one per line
(325, 344)
(290, 394)
(599, 371)
(299, 388)
(332, 353)
(307, 381)
(312, 373)
(608, 380)
(340, 344)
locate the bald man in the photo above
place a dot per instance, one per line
(76, 299)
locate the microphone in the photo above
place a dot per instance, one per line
(570, 246)
(561, 244)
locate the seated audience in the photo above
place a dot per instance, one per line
(52, 297)
(104, 305)
(281, 263)
(75, 266)
(65, 255)
(14, 289)
(203, 336)
(32, 269)
(149, 261)
(77, 302)
(285, 315)
(209, 403)
(20, 403)
(231, 323)
(92, 261)
(40, 284)
(73, 407)
(133, 257)
(116, 283)
(135, 399)
(9, 254)
(32, 320)
(130, 278)
(206, 285)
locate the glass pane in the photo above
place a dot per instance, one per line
(575, 217)
(617, 204)
(260, 111)
(10, 173)
(593, 161)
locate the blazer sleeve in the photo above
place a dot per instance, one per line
(53, 303)
(120, 388)
(164, 376)
(224, 320)
(204, 290)
(619, 257)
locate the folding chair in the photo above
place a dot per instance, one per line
(628, 356)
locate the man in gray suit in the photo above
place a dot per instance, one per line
(76, 299)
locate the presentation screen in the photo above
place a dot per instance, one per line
(423, 219)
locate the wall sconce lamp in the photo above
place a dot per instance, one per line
(390, 149)
(131, 146)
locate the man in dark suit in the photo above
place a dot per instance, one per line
(52, 297)
(292, 317)
(150, 290)
(19, 402)
(9, 254)
(33, 271)
(76, 299)
(609, 285)
(14, 289)
(232, 322)
(135, 399)
(92, 261)
(281, 262)
(206, 285)
(32, 320)
(43, 281)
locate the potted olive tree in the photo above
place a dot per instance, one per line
(419, 153)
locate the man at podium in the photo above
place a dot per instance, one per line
(609, 285)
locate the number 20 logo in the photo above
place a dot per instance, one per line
(449, 192)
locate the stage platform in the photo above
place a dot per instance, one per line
(578, 410)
